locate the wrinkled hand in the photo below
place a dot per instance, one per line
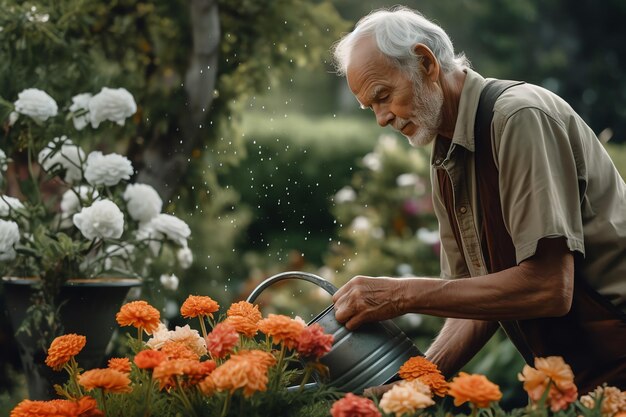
(364, 299)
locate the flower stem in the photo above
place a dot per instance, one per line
(202, 326)
(140, 335)
(184, 398)
(307, 373)
(226, 404)
(104, 405)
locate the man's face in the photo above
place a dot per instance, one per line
(408, 104)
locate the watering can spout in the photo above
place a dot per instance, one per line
(366, 357)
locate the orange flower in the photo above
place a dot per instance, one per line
(245, 309)
(198, 305)
(354, 406)
(83, 407)
(243, 372)
(243, 325)
(313, 342)
(178, 350)
(282, 329)
(107, 379)
(562, 392)
(167, 370)
(120, 364)
(265, 359)
(613, 400)
(476, 389)
(427, 372)
(221, 341)
(64, 348)
(139, 314)
(149, 359)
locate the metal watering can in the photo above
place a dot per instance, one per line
(366, 357)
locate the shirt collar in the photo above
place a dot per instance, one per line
(468, 105)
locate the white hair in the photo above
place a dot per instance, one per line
(396, 32)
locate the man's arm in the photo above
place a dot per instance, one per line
(541, 286)
(458, 341)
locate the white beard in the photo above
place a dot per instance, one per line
(427, 103)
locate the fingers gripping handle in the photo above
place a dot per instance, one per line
(306, 276)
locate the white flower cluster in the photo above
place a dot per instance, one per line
(62, 153)
(107, 169)
(103, 219)
(143, 202)
(114, 104)
(9, 236)
(186, 335)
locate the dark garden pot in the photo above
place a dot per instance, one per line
(88, 308)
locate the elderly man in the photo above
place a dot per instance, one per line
(532, 218)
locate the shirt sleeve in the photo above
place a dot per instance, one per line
(538, 181)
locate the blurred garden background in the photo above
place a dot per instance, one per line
(250, 137)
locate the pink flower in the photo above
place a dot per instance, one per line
(313, 342)
(221, 341)
(354, 406)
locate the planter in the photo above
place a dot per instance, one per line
(88, 308)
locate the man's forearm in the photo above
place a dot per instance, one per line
(458, 341)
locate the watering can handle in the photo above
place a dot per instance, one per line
(306, 276)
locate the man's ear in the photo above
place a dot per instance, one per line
(429, 64)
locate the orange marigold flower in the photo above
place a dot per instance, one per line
(28, 408)
(200, 372)
(149, 359)
(167, 370)
(427, 372)
(64, 348)
(613, 400)
(245, 309)
(120, 364)
(110, 380)
(261, 357)
(221, 341)
(562, 392)
(207, 385)
(178, 350)
(354, 406)
(139, 314)
(282, 329)
(476, 389)
(242, 373)
(198, 305)
(84, 407)
(313, 342)
(243, 325)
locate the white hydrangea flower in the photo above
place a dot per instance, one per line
(80, 103)
(427, 236)
(9, 203)
(169, 282)
(117, 252)
(143, 202)
(372, 161)
(114, 104)
(189, 337)
(70, 157)
(345, 195)
(13, 116)
(102, 220)
(185, 257)
(408, 179)
(107, 169)
(159, 337)
(9, 236)
(170, 227)
(73, 199)
(3, 161)
(36, 104)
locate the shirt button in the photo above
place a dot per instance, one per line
(463, 210)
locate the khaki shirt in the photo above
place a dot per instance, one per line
(556, 180)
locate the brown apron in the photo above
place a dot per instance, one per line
(591, 338)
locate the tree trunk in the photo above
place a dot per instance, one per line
(166, 159)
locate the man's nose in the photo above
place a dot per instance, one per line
(383, 115)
